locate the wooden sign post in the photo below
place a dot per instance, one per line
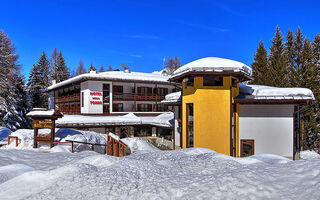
(44, 119)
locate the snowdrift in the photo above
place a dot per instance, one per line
(26, 141)
(193, 173)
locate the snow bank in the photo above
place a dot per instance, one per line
(63, 134)
(9, 171)
(309, 155)
(137, 144)
(26, 140)
(181, 174)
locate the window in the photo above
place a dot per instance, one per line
(82, 99)
(161, 91)
(189, 124)
(106, 97)
(247, 148)
(144, 91)
(212, 81)
(160, 108)
(118, 107)
(117, 89)
(190, 82)
(144, 107)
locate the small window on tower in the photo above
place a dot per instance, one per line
(212, 81)
(190, 82)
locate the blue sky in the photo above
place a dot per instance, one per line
(142, 33)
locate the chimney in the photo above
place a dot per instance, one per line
(126, 70)
(93, 71)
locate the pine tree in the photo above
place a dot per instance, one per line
(290, 53)
(35, 88)
(53, 63)
(39, 80)
(172, 64)
(277, 61)
(109, 68)
(308, 79)
(296, 60)
(260, 67)
(61, 71)
(80, 69)
(92, 68)
(316, 52)
(11, 86)
(22, 106)
(101, 69)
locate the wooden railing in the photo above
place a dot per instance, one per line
(12, 137)
(136, 97)
(115, 147)
(69, 98)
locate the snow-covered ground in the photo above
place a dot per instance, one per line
(149, 173)
(181, 174)
(308, 155)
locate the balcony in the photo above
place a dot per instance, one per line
(69, 98)
(136, 97)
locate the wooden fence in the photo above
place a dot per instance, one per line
(115, 147)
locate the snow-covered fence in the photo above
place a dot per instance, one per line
(88, 143)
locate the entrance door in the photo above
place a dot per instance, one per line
(247, 148)
(106, 98)
(189, 120)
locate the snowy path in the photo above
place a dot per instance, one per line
(181, 174)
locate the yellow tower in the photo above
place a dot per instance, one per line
(209, 115)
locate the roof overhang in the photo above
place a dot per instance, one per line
(239, 75)
(82, 78)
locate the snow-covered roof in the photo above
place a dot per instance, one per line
(268, 93)
(174, 97)
(163, 120)
(116, 76)
(42, 112)
(213, 64)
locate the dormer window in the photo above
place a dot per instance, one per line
(212, 81)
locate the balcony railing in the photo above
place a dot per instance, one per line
(136, 97)
(69, 98)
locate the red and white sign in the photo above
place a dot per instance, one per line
(95, 98)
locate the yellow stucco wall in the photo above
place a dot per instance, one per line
(211, 114)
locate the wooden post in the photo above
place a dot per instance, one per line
(115, 148)
(35, 135)
(110, 149)
(14, 137)
(52, 133)
(72, 147)
(121, 151)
